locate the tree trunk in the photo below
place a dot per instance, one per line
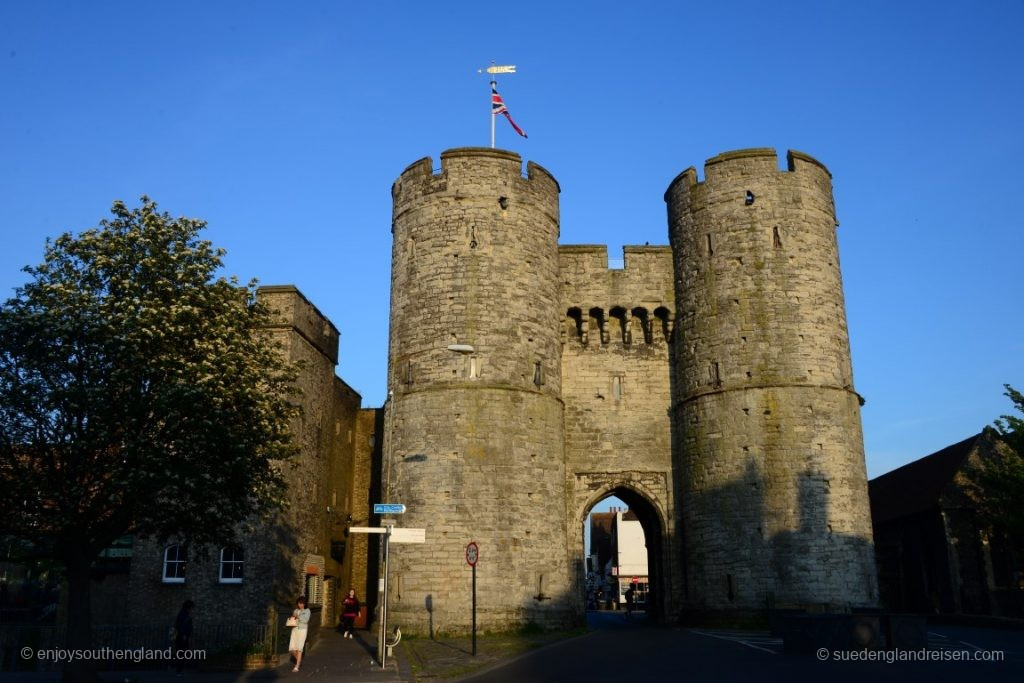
(79, 633)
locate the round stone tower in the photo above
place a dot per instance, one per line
(474, 440)
(766, 424)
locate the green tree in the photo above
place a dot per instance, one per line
(1001, 479)
(1011, 427)
(137, 395)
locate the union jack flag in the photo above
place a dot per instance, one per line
(498, 107)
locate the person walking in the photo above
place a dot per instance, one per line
(349, 612)
(630, 595)
(182, 634)
(299, 621)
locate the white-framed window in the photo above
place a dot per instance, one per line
(314, 589)
(175, 561)
(232, 564)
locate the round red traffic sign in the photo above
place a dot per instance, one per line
(472, 554)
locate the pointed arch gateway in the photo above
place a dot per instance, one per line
(654, 523)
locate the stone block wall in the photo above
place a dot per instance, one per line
(767, 425)
(283, 552)
(615, 384)
(474, 423)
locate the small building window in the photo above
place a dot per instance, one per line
(617, 387)
(314, 589)
(538, 374)
(232, 564)
(175, 560)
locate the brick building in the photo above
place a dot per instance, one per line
(935, 555)
(305, 549)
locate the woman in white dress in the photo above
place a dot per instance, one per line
(299, 631)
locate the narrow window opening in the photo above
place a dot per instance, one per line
(575, 315)
(662, 314)
(617, 387)
(538, 374)
(776, 239)
(623, 317)
(474, 367)
(640, 314)
(598, 320)
(711, 251)
(408, 372)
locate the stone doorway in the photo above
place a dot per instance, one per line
(636, 509)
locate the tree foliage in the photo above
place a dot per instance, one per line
(137, 393)
(1001, 480)
(1011, 427)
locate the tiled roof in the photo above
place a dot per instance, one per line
(917, 486)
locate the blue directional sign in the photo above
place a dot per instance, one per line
(388, 509)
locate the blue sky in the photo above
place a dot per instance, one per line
(284, 125)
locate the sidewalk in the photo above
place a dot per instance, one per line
(336, 658)
(332, 658)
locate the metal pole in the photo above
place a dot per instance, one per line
(384, 605)
(474, 610)
(494, 84)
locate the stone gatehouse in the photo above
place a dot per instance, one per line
(706, 383)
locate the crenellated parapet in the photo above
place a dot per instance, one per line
(632, 306)
(758, 262)
(469, 240)
(480, 168)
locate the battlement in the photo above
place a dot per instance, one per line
(469, 165)
(291, 310)
(594, 257)
(745, 163)
(593, 292)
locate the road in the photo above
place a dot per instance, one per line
(634, 651)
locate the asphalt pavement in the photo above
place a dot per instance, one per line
(624, 650)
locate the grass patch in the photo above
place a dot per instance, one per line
(451, 657)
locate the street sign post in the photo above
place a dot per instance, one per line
(388, 509)
(398, 535)
(406, 535)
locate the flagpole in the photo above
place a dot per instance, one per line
(494, 69)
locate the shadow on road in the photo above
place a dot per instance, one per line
(609, 621)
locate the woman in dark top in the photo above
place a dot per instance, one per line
(349, 611)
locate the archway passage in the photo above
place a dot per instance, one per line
(620, 555)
